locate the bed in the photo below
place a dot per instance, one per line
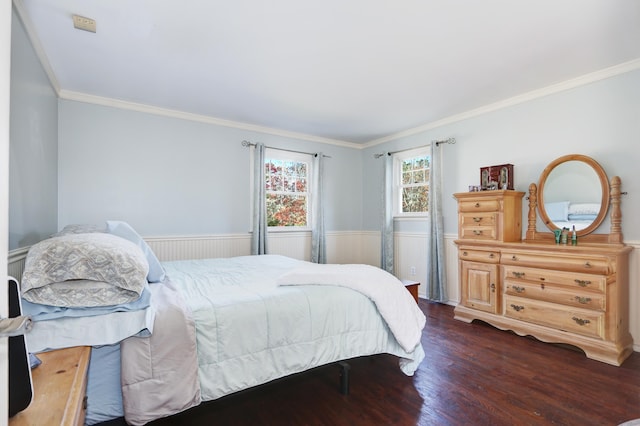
(570, 215)
(198, 330)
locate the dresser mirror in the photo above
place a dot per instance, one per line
(573, 191)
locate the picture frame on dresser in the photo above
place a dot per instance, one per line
(559, 293)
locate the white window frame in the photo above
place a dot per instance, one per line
(398, 158)
(284, 155)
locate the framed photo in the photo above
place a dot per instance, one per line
(496, 177)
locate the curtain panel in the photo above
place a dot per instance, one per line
(386, 261)
(318, 243)
(436, 275)
(259, 234)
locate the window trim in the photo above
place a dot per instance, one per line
(398, 158)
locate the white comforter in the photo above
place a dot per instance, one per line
(394, 303)
(250, 330)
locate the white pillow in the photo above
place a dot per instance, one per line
(124, 230)
(584, 208)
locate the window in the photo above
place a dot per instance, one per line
(411, 186)
(287, 188)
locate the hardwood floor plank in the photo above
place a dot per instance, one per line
(473, 374)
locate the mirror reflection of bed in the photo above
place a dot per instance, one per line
(567, 214)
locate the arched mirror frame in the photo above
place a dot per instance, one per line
(610, 202)
(604, 184)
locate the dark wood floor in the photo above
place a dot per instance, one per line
(473, 374)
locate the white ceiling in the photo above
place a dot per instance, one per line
(346, 70)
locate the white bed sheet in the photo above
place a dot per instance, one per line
(107, 329)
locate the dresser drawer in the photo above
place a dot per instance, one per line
(548, 276)
(556, 294)
(478, 219)
(560, 261)
(479, 255)
(490, 205)
(565, 318)
(478, 232)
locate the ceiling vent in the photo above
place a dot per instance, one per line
(85, 24)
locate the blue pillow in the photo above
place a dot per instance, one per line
(557, 211)
(124, 230)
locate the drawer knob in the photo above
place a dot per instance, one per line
(493, 287)
(583, 300)
(491, 255)
(514, 257)
(518, 274)
(587, 265)
(477, 204)
(518, 289)
(583, 283)
(517, 308)
(581, 321)
(477, 219)
(477, 232)
(464, 253)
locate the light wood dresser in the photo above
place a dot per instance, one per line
(561, 293)
(59, 387)
(484, 219)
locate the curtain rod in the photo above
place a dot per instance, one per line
(450, 141)
(315, 154)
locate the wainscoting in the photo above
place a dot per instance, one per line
(343, 247)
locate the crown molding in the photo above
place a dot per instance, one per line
(605, 73)
(525, 97)
(150, 109)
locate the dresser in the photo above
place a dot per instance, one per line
(559, 293)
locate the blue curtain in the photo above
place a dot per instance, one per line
(386, 261)
(436, 277)
(318, 244)
(259, 236)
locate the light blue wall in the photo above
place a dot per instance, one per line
(33, 172)
(169, 176)
(601, 120)
(73, 162)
